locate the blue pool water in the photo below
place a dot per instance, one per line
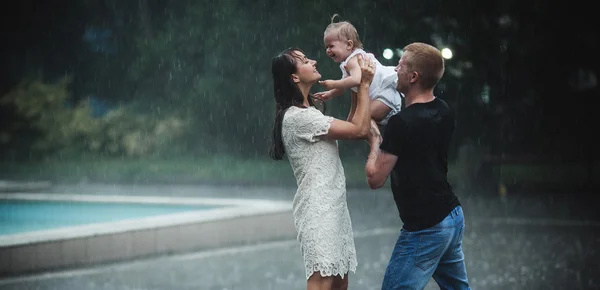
(17, 216)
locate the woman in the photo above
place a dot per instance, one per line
(309, 139)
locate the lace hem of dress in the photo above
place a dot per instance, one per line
(339, 268)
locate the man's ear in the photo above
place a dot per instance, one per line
(414, 77)
(295, 78)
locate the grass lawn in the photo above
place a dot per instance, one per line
(215, 169)
(227, 169)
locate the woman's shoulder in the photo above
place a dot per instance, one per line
(295, 111)
(298, 115)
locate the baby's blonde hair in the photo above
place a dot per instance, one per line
(345, 31)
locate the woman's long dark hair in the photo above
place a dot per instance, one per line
(286, 93)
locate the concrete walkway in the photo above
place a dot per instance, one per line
(524, 242)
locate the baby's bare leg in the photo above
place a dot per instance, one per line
(379, 110)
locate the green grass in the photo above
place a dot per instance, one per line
(215, 169)
(228, 169)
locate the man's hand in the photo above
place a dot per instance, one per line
(367, 67)
(325, 96)
(327, 84)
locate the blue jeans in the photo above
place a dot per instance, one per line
(436, 251)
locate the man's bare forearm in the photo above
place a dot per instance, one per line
(373, 172)
(373, 154)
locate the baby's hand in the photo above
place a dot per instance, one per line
(325, 96)
(327, 84)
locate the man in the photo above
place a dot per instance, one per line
(414, 151)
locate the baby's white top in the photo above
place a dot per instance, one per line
(384, 75)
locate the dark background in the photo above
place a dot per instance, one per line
(209, 61)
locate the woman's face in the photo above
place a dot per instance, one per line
(306, 69)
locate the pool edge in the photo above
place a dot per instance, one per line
(273, 222)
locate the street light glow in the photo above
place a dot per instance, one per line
(446, 53)
(388, 53)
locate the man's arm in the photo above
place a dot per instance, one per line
(379, 164)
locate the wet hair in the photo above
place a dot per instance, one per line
(286, 94)
(427, 61)
(344, 30)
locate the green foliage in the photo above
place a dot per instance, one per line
(42, 106)
(209, 61)
(214, 65)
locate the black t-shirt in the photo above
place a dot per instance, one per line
(420, 136)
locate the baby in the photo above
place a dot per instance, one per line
(343, 44)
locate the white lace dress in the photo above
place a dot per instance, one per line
(320, 210)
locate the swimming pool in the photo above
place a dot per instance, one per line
(50, 231)
(18, 216)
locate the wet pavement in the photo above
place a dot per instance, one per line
(525, 241)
